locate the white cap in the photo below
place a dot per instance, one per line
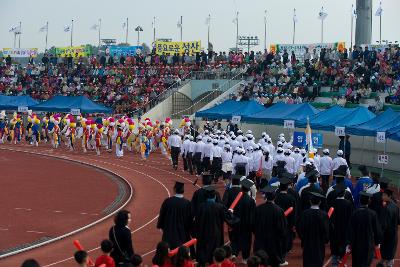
(264, 134)
(281, 135)
(279, 150)
(303, 151)
(227, 146)
(249, 148)
(249, 132)
(325, 151)
(339, 152)
(176, 131)
(279, 143)
(265, 149)
(296, 149)
(199, 137)
(191, 138)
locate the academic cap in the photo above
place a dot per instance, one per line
(316, 194)
(246, 183)
(340, 188)
(384, 180)
(365, 194)
(207, 178)
(312, 173)
(269, 189)
(179, 186)
(285, 180)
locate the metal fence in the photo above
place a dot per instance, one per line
(207, 98)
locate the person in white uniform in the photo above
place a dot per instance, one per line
(326, 165)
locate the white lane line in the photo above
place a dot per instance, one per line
(83, 213)
(3, 229)
(134, 231)
(327, 262)
(36, 232)
(26, 209)
(57, 211)
(94, 214)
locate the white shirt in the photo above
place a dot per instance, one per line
(240, 159)
(199, 147)
(325, 165)
(290, 164)
(226, 157)
(185, 147)
(207, 151)
(317, 162)
(278, 157)
(298, 160)
(192, 146)
(174, 141)
(216, 151)
(234, 144)
(338, 161)
(263, 142)
(257, 160)
(267, 165)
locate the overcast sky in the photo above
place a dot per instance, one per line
(85, 13)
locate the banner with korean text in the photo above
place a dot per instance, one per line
(20, 52)
(300, 49)
(124, 50)
(180, 48)
(74, 51)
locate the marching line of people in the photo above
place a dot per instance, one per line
(365, 214)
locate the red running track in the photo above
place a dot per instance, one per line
(152, 181)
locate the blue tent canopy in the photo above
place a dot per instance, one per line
(279, 112)
(381, 123)
(66, 103)
(338, 116)
(13, 102)
(230, 108)
(394, 133)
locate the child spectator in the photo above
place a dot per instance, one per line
(81, 257)
(30, 263)
(253, 261)
(106, 247)
(137, 260)
(228, 257)
(219, 257)
(183, 258)
(161, 258)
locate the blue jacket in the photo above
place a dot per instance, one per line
(362, 184)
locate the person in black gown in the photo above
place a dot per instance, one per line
(175, 218)
(285, 201)
(309, 188)
(209, 227)
(363, 233)
(270, 228)
(199, 196)
(339, 222)
(231, 192)
(313, 230)
(242, 232)
(390, 221)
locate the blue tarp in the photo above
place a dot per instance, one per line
(231, 108)
(66, 103)
(338, 116)
(394, 133)
(13, 102)
(279, 112)
(381, 123)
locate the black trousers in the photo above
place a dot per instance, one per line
(325, 182)
(206, 164)
(189, 160)
(175, 155)
(241, 242)
(197, 162)
(185, 163)
(216, 168)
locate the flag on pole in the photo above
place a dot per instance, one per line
(234, 21)
(179, 24)
(123, 25)
(309, 142)
(67, 28)
(353, 11)
(294, 15)
(153, 24)
(378, 12)
(43, 29)
(95, 27)
(16, 29)
(322, 15)
(208, 21)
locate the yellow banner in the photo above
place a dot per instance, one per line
(74, 51)
(180, 48)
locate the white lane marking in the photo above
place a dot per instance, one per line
(26, 209)
(83, 213)
(36, 232)
(327, 262)
(82, 228)
(3, 229)
(57, 211)
(134, 231)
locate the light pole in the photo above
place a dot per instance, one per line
(265, 29)
(248, 41)
(138, 29)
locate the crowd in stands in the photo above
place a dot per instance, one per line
(123, 83)
(353, 74)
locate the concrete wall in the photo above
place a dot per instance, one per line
(201, 86)
(364, 150)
